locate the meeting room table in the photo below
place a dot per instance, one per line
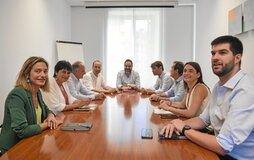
(115, 135)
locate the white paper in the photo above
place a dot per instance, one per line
(161, 111)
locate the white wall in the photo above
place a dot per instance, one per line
(178, 35)
(212, 21)
(29, 28)
(87, 27)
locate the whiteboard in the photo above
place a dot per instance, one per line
(70, 51)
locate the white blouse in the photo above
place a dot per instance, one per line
(54, 99)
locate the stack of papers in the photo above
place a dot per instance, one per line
(86, 108)
(161, 111)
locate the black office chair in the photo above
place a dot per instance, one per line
(1, 125)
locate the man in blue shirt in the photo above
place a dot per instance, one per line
(164, 80)
(176, 92)
(231, 108)
(128, 79)
(77, 89)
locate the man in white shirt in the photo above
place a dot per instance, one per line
(164, 80)
(77, 89)
(176, 92)
(128, 79)
(94, 81)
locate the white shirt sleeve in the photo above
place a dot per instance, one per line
(87, 81)
(54, 99)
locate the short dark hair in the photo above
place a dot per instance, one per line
(157, 64)
(179, 66)
(236, 45)
(128, 60)
(62, 65)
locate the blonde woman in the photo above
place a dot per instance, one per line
(25, 112)
(196, 96)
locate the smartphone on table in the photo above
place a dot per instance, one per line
(146, 133)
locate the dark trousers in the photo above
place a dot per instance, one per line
(226, 157)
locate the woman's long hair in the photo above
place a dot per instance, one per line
(23, 76)
(197, 67)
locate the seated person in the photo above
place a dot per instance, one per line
(196, 97)
(77, 89)
(164, 81)
(128, 79)
(25, 112)
(93, 80)
(177, 91)
(231, 107)
(59, 98)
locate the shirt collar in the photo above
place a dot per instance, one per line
(179, 79)
(94, 74)
(162, 74)
(74, 77)
(231, 83)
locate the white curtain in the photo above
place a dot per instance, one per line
(134, 34)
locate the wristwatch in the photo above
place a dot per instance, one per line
(186, 127)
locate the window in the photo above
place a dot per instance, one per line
(133, 34)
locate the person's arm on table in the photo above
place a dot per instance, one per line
(202, 139)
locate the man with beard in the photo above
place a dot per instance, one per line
(128, 79)
(230, 110)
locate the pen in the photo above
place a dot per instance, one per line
(86, 126)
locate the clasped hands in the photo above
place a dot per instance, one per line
(51, 121)
(147, 91)
(129, 87)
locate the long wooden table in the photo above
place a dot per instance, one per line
(116, 134)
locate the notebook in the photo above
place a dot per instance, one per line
(86, 108)
(76, 126)
(161, 111)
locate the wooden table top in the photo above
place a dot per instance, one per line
(115, 134)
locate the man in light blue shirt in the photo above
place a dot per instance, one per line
(164, 81)
(176, 92)
(77, 89)
(128, 79)
(230, 110)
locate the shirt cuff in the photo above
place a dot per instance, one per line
(203, 118)
(226, 142)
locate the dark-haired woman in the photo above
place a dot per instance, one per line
(59, 98)
(196, 96)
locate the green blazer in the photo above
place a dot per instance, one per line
(20, 117)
